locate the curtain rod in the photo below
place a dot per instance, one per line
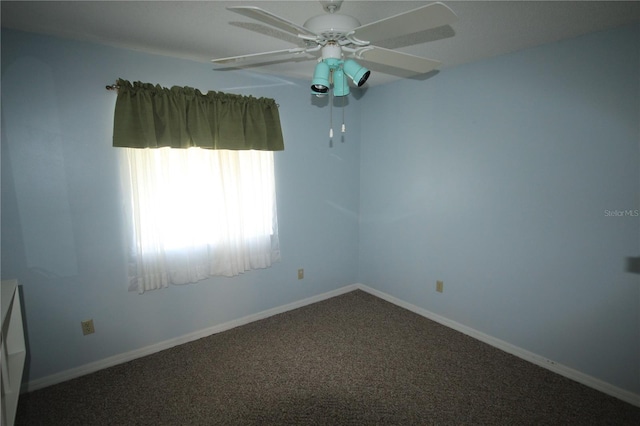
(115, 87)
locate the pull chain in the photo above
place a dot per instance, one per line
(343, 94)
(344, 127)
(330, 118)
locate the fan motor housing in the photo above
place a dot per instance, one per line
(333, 26)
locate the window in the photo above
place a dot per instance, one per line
(198, 171)
(196, 213)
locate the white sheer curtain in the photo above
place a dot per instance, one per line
(197, 213)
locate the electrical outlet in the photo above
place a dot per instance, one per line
(300, 273)
(87, 327)
(439, 286)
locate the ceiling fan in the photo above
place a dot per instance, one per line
(339, 40)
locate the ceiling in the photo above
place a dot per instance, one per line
(205, 30)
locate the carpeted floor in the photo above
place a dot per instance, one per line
(351, 360)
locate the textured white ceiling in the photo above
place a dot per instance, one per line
(204, 30)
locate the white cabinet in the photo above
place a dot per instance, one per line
(14, 352)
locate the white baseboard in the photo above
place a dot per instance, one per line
(570, 373)
(563, 370)
(92, 367)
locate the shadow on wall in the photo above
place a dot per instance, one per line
(35, 146)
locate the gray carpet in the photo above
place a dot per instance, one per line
(351, 360)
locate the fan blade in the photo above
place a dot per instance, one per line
(394, 59)
(269, 18)
(256, 57)
(423, 18)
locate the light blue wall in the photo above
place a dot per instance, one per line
(495, 177)
(61, 227)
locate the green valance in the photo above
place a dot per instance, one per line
(151, 116)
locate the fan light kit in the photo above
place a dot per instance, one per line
(339, 70)
(340, 41)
